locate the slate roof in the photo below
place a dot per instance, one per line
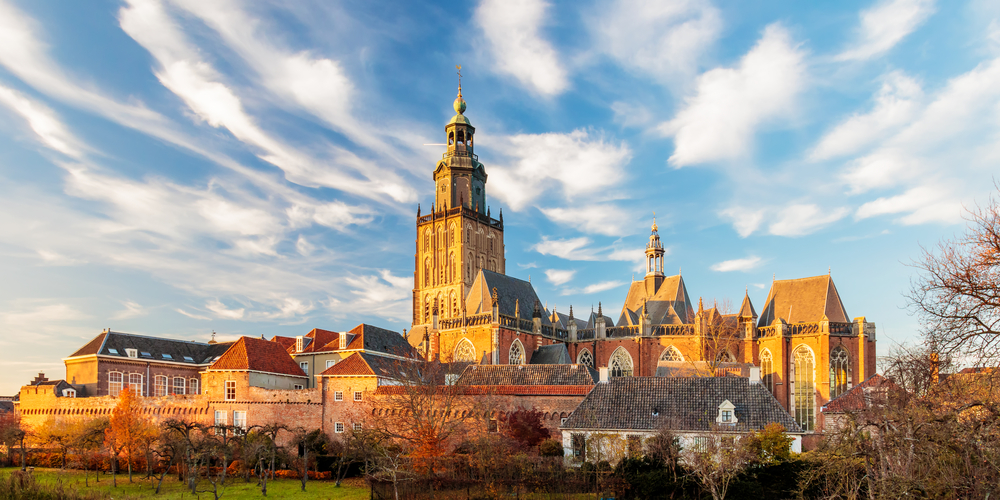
(555, 354)
(680, 404)
(669, 305)
(746, 308)
(528, 375)
(373, 338)
(856, 399)
(60, 386)
(249, 353)
(512, 293)
(179, 351)
(803, 300)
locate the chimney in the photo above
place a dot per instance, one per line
(754, 374)
(604, 374)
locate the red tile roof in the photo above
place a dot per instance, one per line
(854, 399)
(260, 355)
(353, 365)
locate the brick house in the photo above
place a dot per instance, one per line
(320, 349)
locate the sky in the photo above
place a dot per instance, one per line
(178, 167)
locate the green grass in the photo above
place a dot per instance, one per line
(234, 489)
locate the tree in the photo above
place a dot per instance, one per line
(11, 433)
(126, 429)
(314, 441)
(957, 292)
(524, 426)
(665, 447)
(914, 368)
(56, 433)
(89, 441)
(716, 460)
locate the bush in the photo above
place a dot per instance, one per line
(550, 448)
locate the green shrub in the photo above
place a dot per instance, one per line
(550, 448)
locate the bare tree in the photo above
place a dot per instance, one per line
(957, 293)
(915, 369)
(717, 459)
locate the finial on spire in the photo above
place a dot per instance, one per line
(459, 102)
(599, 311)
(829, 270)
(655, 228)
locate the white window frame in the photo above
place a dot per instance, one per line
(338, 395)
(240, 420)
(137, 385)
(115, 387)
(297, 387)
(160, 384)
(183, 387)
(330, 363)
(221, 418)
(358, 396)
(357, 426)
(193, 386)
(338, 427)
(230, 384)
(305, 367)
(132, 353)
(69, 393)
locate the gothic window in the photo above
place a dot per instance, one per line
(585, 358)
(427, 272)
(465, 352)
(767, 369)
(803, 393)
(427, 309)
(620, 364)
(454, 235)
(451, 267)
(427, 240)
(516, 356)
(839, 369)
(671, 354)
(454, 305)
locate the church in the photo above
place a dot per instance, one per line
(803, 345)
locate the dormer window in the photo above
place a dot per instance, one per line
(727, 414)
(69, 393)
(299, 341)
(132, 353)
(342, 341)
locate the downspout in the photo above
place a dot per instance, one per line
(322, 399)
(147, 378)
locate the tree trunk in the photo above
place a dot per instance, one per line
(130, 465)
(305, 466)
(24, 458)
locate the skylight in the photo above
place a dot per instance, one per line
(112, 351)
(146, 354)
(189, 359)
(167, 356)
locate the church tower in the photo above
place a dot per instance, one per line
(459, 236)
(654, 261)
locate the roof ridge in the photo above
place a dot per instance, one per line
(163, 338)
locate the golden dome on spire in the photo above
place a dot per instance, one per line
(655, 227)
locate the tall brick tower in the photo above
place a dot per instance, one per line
(458, 237)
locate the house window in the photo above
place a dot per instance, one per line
(69, 393)
(357, 426)
(767, 369)
(330, 362)
(297, 387)
(804, 390)
(516, 356)
(135, 384)
(580, 446)
(338, 427)
(338, 396)
(193, 386)
(179, 386)
(492, 425)
(357, 396)
(839, 369)
(621, 363)
(305, 367)
(562, 421)
(727, 416)
(220, 422)
(114, 383)
(132, 353)
(299, 341)
(240, 420)
(159, 386)
(230, 390)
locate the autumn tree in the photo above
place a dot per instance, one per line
(957, 292)
(12, 434)
(89, 439)
(127, 428)
(59, 434)
(524, 426)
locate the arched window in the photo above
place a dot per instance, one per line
(159, 385)
(585, 358)
(465, 352)
(839, 369)
(767, 369)
(135, 384)
(454, 305)
(451, 138)
(516, 356)
(451, 267)
(461, 137)
(671, 354)
(805, 385)
(454, 235)
(427, 240)
(725, 357)
(427, 309)
(620, 364)
(193, 386)
(115, 380)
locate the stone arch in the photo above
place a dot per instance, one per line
(671, 353)
(465, 352)
(620, 363)
(585, 357)
(516, 354)
(804, 387)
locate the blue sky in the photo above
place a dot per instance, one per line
(174, 167)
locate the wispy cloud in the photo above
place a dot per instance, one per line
(559, 276)
(719, 121)
(885, 25)
(580, 249)
(512, 29)
(594, 288)
(804, 218)
(132, 310)
(744, 264)
(43, 122)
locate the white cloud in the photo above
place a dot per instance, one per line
(603, 218)
(923, 204)
(594, 288)
(719, 121)
(512, 30)
(578, 163)
(896, 103)
(224, 312)
(580, 249)
(558, 276)
(886, 24)
(663, 39)
(745, 220)
(802, 219)
(745, 264)
(132, 310)
(43, 122)
(385, 294)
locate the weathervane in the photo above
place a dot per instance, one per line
(459, 68)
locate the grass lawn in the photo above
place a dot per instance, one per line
(235, 488)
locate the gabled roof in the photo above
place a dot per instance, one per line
(178, 351)
(285, 342)
(857, 398)
(803, 300)
(367, 364)
(512, 293)
(373, 338)
(553, 354)
(679, 404)
(317, 340)
(523, 375)
(669, 304)
(253, 354)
